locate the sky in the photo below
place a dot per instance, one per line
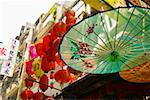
(15, 13)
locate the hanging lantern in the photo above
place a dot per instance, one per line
(45, 64)
(44, 83)
(69, 13)
(62, 76)
(59, 61)
(59, 29)
(52, 34)
(39, 49)
(29, 70)
(52, 65)
(52, 75)
(29, 82)
(71, 20)
(38, 96)
(46, 43)
(51, 54)
(36, 66)
(33, 53)
(27, 94)
(56, 43)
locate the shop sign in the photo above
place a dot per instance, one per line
(4, 51)
(8, 65)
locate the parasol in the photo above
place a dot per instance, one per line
(108, 41)
(139, 74)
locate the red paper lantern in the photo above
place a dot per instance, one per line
(29, 82)
(51, 54)
(62, 76)
(38, 96)
(46, 43)
(27, 94)
(44, 83)
(52, 75)
(45, 64)
(39, 49)
(33, 53)
(69, 13)
(29, 70)
(71, 20)
(52, 35)
(56, 43)
(59, 60)
(52, 65)
(59, 29)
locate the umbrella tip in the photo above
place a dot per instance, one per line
(114, 56)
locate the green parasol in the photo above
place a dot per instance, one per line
(109, 41)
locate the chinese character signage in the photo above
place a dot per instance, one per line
(4, 52)
(8, 65)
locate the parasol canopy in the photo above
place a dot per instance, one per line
(139, 74)
(108, 41)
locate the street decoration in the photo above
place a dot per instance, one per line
(52, 75)
(44, 82)
(44, 58)
(33, 53)
(69, 13)
(70, 18)
(62, 76)
(38, 96)
(29, 82)
(29, 69)
(46, 65)
(36, 67)
(109, 41)
(59, 61)
(59, 29)
(39, 49)
(27, 94)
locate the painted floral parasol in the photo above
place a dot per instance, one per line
(108, 41)
(139, 74)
